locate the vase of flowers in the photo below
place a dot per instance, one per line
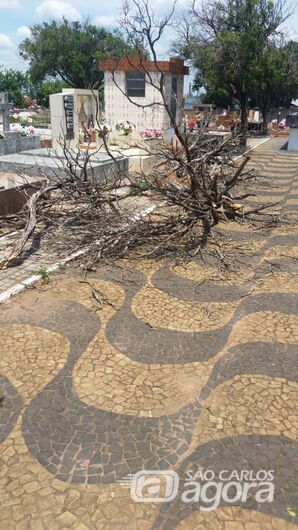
(81, 135)
(151, 132)
(103, 130)
(152, 138)
(30, 130)
(125, 127)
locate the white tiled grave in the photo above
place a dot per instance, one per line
(48, 163)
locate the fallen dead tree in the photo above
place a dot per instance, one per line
(171, 208)
(183, 203)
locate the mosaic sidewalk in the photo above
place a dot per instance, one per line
(185, 368)
(38, 254)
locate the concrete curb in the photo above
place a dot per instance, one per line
(254, 147)
(35, 278)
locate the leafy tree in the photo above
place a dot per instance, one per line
(42, 91)
(70, 51)
(226, 42)
(16, 83)
(276, 78)
(219, 97)
(20, 86)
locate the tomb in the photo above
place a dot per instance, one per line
(13, 142)
(126, 82)
(51, 164)
(73, 117)
(72, 111)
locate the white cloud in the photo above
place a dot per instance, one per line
(12, 4)
(291, 34)
(5, 41)
(9, 57)
(57, 10)
(105, 20)
(24, 32)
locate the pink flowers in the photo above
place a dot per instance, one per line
(151, 133)
(192, 124)
(30, 131)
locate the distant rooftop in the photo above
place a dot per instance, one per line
(133, 63)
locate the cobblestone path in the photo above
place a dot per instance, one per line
(184, 369)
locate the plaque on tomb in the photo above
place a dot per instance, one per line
(69, 116)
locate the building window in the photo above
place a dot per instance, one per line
(135, 84)
(175, 85)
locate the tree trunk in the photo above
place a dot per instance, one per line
(265, 122)
(244, 118)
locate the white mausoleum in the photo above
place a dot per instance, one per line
(126, 81)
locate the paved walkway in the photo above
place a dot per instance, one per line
(147, 366)
(38, 256)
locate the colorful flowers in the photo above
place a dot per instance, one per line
(103, 130)
(30, 131)
(23, 118)
(89, 135)
(25, 131)
(192, 124)
(125, 127)
(151, 133)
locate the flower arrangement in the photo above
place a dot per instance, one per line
(103, 130)
(87, 135)
(23, 118)
(151, 133)
(192, 124)
(125, 127)
(25, 131)
(83, 136)
(30, 131)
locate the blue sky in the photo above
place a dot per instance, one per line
(18, 15)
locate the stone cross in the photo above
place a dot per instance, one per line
(5, 107)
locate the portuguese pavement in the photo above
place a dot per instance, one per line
(173, 367)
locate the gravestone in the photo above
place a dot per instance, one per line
(5, 107)
(72, 111)
(13, 141)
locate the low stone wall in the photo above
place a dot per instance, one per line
(14, 142)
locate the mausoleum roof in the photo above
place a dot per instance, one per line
(133, 63)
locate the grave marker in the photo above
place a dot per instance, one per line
(5, 107)
(72, 110)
